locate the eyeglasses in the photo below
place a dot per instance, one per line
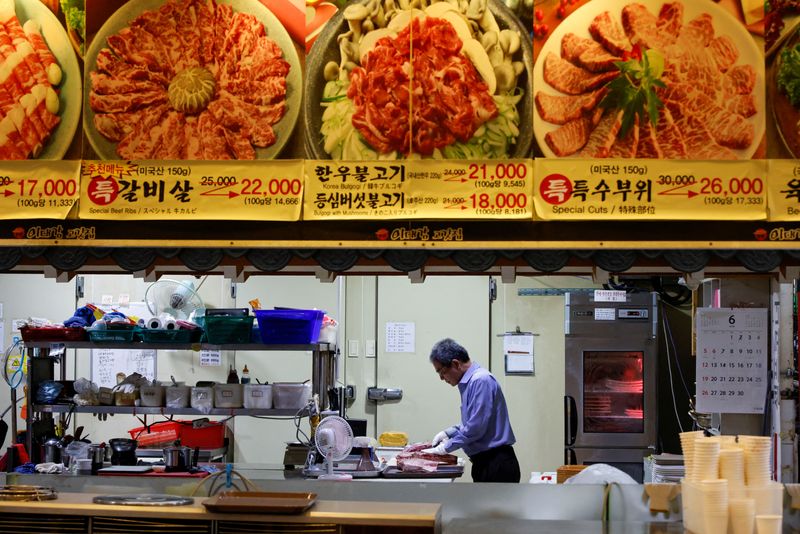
(442, 370)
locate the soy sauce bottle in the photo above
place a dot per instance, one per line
(233, 377)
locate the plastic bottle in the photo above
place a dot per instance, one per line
(233, 376)
(245, 375)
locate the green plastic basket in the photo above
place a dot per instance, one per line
(227, 330)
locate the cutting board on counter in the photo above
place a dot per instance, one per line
(156, 472)
(444, 471)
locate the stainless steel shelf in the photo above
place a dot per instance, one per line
(177, 346)
(146, 410)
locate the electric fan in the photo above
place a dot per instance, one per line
(334, 441)
(174, 298)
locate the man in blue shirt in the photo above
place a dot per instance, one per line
(485, 431)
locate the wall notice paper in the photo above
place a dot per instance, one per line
(210, 358)
(731, 360)
(400, 337)
(518, 351)
(106, 363)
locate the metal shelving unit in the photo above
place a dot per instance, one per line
(322, 376)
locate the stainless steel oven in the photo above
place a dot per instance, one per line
(610, 403)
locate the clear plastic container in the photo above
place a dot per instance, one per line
(290, 395)
(177, 396)
(151, 396)
(258, 396)
(228, 395)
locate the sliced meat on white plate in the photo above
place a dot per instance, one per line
(610, 34)
(587, 53)
(569, 138)
(572, 80)
(560, 109)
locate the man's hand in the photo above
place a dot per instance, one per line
(438, 438)
(439, 449)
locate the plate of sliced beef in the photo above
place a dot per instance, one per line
(40, 83)
(713, 99)
(193, 80)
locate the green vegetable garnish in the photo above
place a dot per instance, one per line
(634, 90)
(789, 74)
(75, 15)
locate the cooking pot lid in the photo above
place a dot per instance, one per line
(145, 499)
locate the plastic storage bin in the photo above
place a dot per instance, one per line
(211, 436)
(177, 396)
(117, 333)
(290, 395)
(288, 327)
(162, 335)
(151, 396)
(55, 333)
(227, 330)
(228, 395)
(157, 434)
(258, 396)
(202, 398)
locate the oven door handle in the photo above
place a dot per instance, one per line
(570, 420)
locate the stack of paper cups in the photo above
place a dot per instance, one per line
(731, 468)
(725, 442)
(742, 515)
(768, 498)
(706, 459)
(714, 495)
(757, 470)
(687, 447)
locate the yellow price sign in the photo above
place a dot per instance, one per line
(418, 189)
(783, 196)
(38, 189)
(210, 190)
(650, 190)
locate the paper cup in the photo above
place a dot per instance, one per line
(742, 516)
(769, 524)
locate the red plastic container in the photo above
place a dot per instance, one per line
(166, 432)
(52, 333)
(159, 434)
(207, 437)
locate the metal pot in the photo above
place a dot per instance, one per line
(52, 450)
(177, 457)
(123, 451)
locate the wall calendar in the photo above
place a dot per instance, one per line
(732, 360)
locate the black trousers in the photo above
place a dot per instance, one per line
(496, 465)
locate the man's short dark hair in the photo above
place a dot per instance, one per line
(447, 350)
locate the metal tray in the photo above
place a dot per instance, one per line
(444, 471)
(261, 502)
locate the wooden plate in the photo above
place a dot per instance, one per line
(261, 502)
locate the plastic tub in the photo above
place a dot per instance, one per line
(115, 333)
(290, 395)
(227, 330)
(164, 433)
(151, 396)
(228, 395)
(258, 396)
(162, 335)
(202, 398)
(289, 327)
(210, 436)
(177, 396)
(52, 333)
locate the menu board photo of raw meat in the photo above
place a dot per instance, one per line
(419, 79)
(649, 79)
(192, 80)
(40, 80)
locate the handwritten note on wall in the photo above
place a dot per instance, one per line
(106, 363)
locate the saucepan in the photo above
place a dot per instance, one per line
(177, 457)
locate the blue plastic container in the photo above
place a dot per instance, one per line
(289, 327)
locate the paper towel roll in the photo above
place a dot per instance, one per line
(170, 324)
(155, 323)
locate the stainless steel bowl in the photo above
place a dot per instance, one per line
(326, 49)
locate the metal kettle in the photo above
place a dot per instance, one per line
(52, 450)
